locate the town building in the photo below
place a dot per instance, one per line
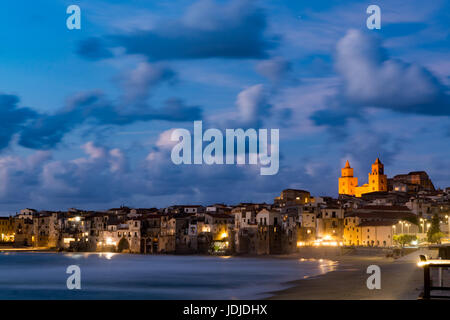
(348, 184)
(7, 229)
(414, 181)
(289, 197)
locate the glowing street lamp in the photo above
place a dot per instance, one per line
(448, 223)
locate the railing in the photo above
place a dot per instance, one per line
(427, 281)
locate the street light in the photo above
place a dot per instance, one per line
(448, 223)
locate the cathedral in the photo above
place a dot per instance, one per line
(348, 184)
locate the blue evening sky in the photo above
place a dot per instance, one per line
(86, 115)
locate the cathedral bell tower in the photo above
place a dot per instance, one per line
(347, 182)
(377, 178)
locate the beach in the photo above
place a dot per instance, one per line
(401, 279)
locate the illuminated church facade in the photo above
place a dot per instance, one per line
(348, 184)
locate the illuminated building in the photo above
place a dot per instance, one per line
(348, 184)
(412, 182)
(7, 229)
(289, 197)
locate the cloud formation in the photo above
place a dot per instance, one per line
(93, 49)
(275, 69)
(370, 79)
(208, 29)
(13, 118)
(138, 82)
(252, 109)
(46, 131)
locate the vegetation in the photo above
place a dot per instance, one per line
(436, 237)
(434, 230)
(403, 239)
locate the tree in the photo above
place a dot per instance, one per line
(403, 239)
(434, 228)
(436, 238)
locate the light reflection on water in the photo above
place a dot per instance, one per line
(125, 276)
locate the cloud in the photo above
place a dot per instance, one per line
(103, 177)
(370, 79)
(12, 118)
(100, 176)
(20, 177)
(363, 148)
(275, 69)
(208, 29)
(93, 49)
(138, 82)
(252, 108)
(334, 117)
(46, 131)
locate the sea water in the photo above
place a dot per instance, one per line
(29, 275)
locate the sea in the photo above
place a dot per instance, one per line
(31, 275)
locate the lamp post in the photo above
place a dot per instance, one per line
(448, 223)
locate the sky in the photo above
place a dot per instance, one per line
(86, 115)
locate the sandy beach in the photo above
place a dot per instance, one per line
(401, 279)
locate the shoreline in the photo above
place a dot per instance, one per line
(401, 279)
